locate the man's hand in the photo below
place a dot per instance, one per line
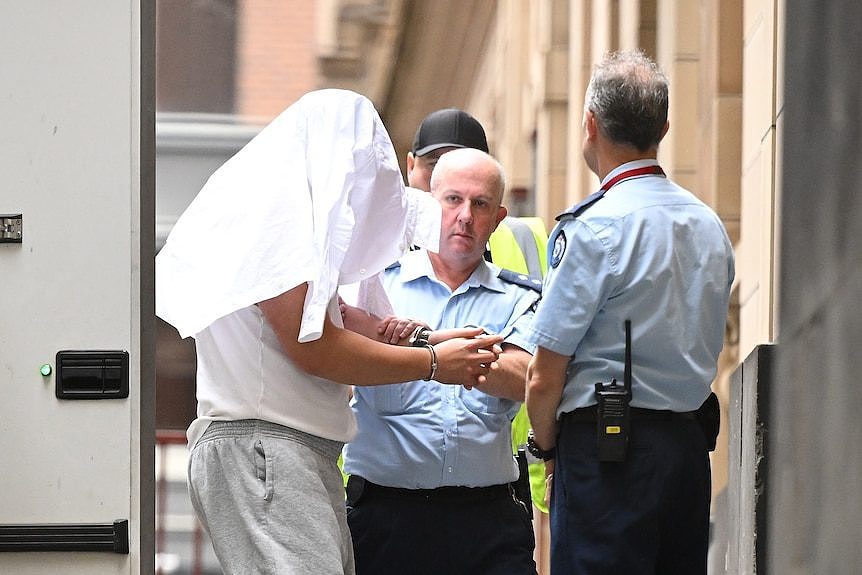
(549, 481)
(462, 361)
(396, 330)
(507, 376)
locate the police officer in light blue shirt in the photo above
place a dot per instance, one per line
(629, 495)
(603, 273)
(423, 435)
(431, 465)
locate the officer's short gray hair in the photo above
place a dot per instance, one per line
(628, 94)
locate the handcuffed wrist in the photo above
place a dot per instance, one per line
(433, 372)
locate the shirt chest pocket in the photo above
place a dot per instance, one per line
(479, 402)
(399, 398)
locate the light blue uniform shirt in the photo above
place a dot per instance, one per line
(423, 434)
(651, 252)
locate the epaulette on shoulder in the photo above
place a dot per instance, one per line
(522, 280)
(393, 266)
(581, 206)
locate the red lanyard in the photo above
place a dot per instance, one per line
(647, 171)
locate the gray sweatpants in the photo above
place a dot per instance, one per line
(271, 499)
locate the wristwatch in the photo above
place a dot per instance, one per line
(419, 337)
(538, 452)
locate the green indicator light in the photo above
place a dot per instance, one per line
(45, 369)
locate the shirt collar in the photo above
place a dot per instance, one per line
(417, 264)
(633, 165)
(579, 208)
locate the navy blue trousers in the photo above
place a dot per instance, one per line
(485, 536)
(646, 516)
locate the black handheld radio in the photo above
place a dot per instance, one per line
(613, 417)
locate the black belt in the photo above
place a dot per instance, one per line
(588, 414)
(362, 487)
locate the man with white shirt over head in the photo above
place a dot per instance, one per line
(251, 271)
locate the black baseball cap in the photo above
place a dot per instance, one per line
(449, 128)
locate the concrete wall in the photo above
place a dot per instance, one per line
(815, 506)
(761, 113)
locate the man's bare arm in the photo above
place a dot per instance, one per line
(546, 377)
(343, 356)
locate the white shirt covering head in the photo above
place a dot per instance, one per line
(316, 197)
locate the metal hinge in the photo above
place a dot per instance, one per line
(10, 228)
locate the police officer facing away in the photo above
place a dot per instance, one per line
(646, 251)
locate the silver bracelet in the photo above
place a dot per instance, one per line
(433, 373)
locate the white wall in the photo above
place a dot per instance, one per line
(71, 163)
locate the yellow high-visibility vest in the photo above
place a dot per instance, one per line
(520, 245)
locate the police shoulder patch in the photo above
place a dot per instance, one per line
(522, 280)
(581, 206)
(559, 248)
